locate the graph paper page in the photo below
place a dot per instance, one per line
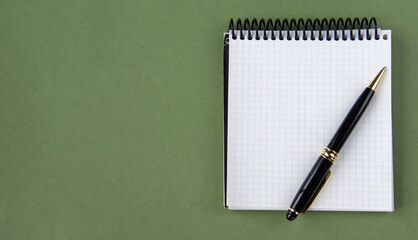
(286, 100)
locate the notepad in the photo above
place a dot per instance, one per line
(284, 100)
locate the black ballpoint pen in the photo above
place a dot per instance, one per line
(321, 170)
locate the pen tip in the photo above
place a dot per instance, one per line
(291, 215)
(373, 85)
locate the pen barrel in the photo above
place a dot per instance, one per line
(351, 120)
(312, 185)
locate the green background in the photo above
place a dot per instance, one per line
(111, 121)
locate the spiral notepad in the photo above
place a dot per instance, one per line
(288, 86)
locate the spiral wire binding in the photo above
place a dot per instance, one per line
(307, 27)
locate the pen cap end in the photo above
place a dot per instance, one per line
(290, 215)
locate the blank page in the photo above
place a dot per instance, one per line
(286, 100)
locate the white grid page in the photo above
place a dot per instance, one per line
(286, 100)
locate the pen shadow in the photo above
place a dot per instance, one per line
(398, 110)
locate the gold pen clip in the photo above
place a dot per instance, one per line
(321, 185)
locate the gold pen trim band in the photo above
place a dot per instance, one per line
(329, 154)
(293, 210)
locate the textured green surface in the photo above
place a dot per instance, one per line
(111, 121)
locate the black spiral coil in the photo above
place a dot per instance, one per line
(306, 26)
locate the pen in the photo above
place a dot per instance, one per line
(320, 172)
